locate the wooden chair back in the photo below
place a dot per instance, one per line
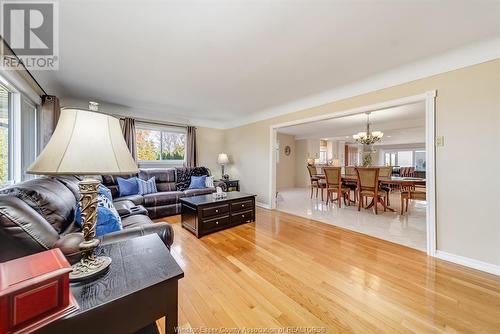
(333, 176)
(368, 179)
(350, 170)
(385, 171)
(313, 171)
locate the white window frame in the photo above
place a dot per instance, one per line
(162, 128)
(412, 150)
(15, 130)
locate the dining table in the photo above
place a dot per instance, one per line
(402, 182)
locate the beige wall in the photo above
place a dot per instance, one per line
(302, 154)
(210, 142)
(467, 115)
(285, 169)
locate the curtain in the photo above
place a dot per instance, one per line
(49, 115)
(128, 129)
(191, 147)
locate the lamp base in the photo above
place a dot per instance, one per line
(89, 267)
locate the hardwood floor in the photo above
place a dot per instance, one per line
(285, 271)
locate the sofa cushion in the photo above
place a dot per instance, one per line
(162, 198)
(196, 192)
(49, 197)
(136, 199)
(164, 177)
(21, 224)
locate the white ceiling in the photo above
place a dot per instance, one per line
(228, 60)
(401, 125)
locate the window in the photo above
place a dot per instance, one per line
(5, 136)
(407, 158)
(160, 144)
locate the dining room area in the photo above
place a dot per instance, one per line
(365, 172)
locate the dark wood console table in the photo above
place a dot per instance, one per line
(203, 214)
(139, 288)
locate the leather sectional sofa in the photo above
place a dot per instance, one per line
(171, 183)
(38, 214)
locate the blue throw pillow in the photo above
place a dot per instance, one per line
(197, 182)
(147, 187)
(128, 187)
(108, 219)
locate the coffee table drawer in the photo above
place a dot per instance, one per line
(242, 205)
(210, 224)
(215, 210)
(242, 216)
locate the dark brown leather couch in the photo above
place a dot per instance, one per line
(171, 183)
(37, 215)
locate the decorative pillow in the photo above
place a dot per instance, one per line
(184, 176)
(197, 182)
(147, 187)
(209, 182)
(128, 187)
(108, 219)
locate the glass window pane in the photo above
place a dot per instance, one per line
(148, 144)
(405, 158)
(420, 160)
(173, 145)
(4, 135)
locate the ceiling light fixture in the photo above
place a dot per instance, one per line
(368, 138)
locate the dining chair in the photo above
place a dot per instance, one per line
(333, 177)
(353, 185)
(410, 194)
(316, 182)
(386, 171)
(368, 186)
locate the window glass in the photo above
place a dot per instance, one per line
(173, 145)
(420, 160)
(156, 144)
(4, 135)
(405, 158)
(148, 144)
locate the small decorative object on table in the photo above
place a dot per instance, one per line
(219, 194)
(34, 291)
(86, 143)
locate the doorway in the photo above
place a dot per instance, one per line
(337, 149)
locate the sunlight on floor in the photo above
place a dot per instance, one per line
(408, 230)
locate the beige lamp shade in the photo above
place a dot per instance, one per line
(222, 159)
(85, 143)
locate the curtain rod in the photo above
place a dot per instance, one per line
(24, 67)
(178, 125)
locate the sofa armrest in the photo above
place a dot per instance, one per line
(164, 231)
(69, 244)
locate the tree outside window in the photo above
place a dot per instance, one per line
(159, 145)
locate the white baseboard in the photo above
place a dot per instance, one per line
(468, 262)
(263, 205)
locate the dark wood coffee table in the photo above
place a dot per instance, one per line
(204, 214)
(139, 288)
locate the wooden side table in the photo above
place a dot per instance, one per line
(232, 185)
(140, 287)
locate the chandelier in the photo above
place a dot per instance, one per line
(368, 138)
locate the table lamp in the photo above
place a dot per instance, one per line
(86, 143)
(222, 160)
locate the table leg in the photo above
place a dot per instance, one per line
(171, 316)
